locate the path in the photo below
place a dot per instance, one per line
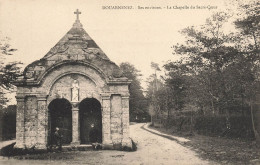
(152, 150)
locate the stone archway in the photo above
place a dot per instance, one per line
(60, 116)
(74, 69)
(90, 121)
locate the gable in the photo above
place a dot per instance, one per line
(75, 47)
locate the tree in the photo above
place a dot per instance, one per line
(177, 82)
(209, 54)
(249, 26)
(5, 47)
(8, 72)
(155, 96)
(249, 22)
(137, 102)
(219, 70)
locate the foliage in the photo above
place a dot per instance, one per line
(137, 101)
(5, 47)
(213, 74)
(248, 23)
(235, 126)
(8, 71)
(8, 122)
(157, 94)
(218, 72)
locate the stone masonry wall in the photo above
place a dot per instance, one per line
(116, 122)
(30, 121)
(61, 71)
(32, 102)
(62, 87)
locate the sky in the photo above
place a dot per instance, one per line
(139, 35)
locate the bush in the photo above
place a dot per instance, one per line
(233, 127)
(209, 125)
(8, 122)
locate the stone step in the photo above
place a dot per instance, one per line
(83, 147)
(6, 143)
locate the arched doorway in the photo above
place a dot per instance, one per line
(61, 116)
(90, 121)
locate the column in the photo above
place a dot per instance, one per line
(106, 132)
(20, 122)
(75, 123)
(42, 124)
(48, 131)
(126, 141)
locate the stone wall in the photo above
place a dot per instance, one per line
(33, 118)
(116, 123)
(30, 121)
(60, 71)
(63, 86)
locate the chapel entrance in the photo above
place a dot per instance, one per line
(61, 116)
(90, 121)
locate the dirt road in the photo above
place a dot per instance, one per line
(152, 150)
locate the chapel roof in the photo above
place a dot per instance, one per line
(76, 41)
(75, 46)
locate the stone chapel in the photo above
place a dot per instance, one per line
(76, 88)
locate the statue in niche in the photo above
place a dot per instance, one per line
(75, 91)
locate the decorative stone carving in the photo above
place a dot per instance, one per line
(74, 69)
(75, 91)
(117, 73)
(85, 45)
(30, 73)
(75, 105)
(59, 49)
(34, 70)
(38, 71)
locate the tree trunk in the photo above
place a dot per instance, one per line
(257, 136)
(168, 112)
(191, 124)
(212, 106)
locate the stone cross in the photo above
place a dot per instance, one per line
(77, 12)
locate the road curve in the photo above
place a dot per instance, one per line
(155, 149)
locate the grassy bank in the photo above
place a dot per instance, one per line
(220, 149)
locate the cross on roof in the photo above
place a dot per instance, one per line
(77, 12)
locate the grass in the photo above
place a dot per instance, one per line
(220, 149)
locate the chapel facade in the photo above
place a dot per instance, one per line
(76, 88)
